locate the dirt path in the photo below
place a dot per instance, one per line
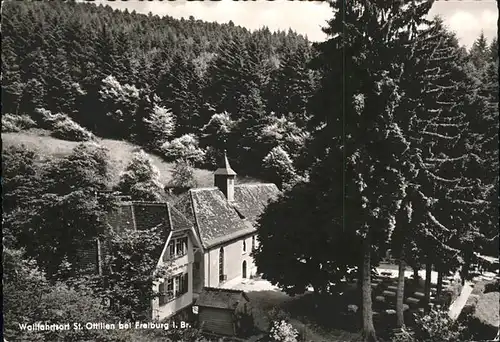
(457, 306)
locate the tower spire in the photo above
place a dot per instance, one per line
(224, 179)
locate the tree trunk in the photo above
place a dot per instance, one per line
(465, 271)
(368, 328)
(427, 288)
(360, 277)
(439, 284)
(400, 293)
(415, 275)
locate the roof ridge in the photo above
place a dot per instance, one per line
(204, 188)
(254, 184)
(150, 202)
(172, 208)
(222, 289)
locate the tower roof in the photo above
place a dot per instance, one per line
(226, 169)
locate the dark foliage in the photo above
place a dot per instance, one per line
(109, 71)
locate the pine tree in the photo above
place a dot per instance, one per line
(12, 85)
(294, 81)
(245, 140)
(449, 190)
(226, 76)
(479, 52)
(180, 88)
(484, 127)
(363, 123)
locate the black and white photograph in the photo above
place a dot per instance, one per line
(261, 171)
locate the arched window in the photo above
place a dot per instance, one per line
(244, 246)
(244, 269)
(221, 265)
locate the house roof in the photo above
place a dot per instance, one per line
(218, 221)
(179, 221)
(139, 215)
(252, 199)
(220, 298)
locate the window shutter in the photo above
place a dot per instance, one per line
(161, 290)
(172, 248)
(186, 282)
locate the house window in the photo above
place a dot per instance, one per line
(181, 246)
(182, 283)
(170, 288)
(221, 264)
(173, 288)
(171, 249)
(166, 291)
(177, 282)
(253, 243)
(244, 246)
(177, 248)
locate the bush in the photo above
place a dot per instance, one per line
(63, 127)
(16, 123)
(141, 179)
(282, 331)
(29, 297)
(70, 130)
(185, 148)
(492, 287)
(278, 167)
(437, 326)
(278, 315)
(183, 175)
(47, 119)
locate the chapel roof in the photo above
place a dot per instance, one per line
(217, 220)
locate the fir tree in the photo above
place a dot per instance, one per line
(362, 121)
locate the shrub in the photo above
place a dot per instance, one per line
(47, 119)
(437, 326)
(67, 129)
(30, 298)
(16, 123)
(183, 175)
(278, 166)
(63, 127)
(278, 315)
(492, 287)
(283, 332)
(185, 148)
(141, 179)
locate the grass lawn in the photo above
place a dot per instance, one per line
(487, 309)
(327, 319)
(481, 312)
(264, 297)
(120, 153)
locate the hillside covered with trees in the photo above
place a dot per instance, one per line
(159, 82)
(383, 137)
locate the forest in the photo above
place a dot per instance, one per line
(383, 137)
